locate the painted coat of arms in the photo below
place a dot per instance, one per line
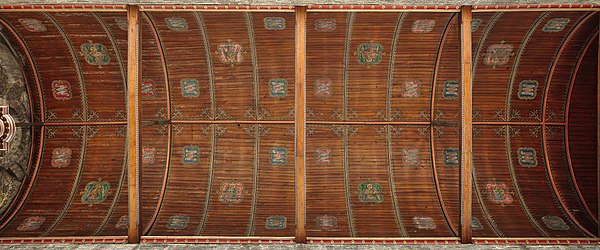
(190, 88)
(323, 156)
(451, 157)
(32, 25)
(95, 53)
(176, 23)
(370, 192)
(450, 90)
(61, 157)
(148, 155)
(555, 223)
(276, 222)
(147, 88)
(231, 192)
(190, 154)
(61, 90)
(31, 223)
(556, 24)
(528, 89)
(424, 222)
(498, 193)
(323, 88)
(230, 53)
(123, 222)
(369, 53)
(410, 157)
(274, 23)
(527, 157)
(278, 156)
(122, 23)
(95, 192)
(423, 26)
(411, 89)
(178, 222)
(325, 25)
(278, 88)
(475, 23)
(476, 224)
(498, 54)
(326, 222)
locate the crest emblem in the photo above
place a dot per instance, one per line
(278, 156)
(178, 222)
(95, 192)
(325, 25)
(123, 222)
(476, 224)
(410, 157)
(95, 53)
(189, 88)
(230, 53)
(32, 25)
(323, 88)
(424, 223)
(278, 88)
(274, 23)
(231, 192)
(323, 156)
(327, 222)
(276, 222)
(450, 90)
(527, 157)
(147, 88)
(423, 26)
(498, 54)
(556, 24)
(451, 157)
(370, 192)
(176, 23)
(31, 223)
(122, 23)
(475, 23)
(498, 193)
(369, 53)
(528, 89)
(148, 155)
(555, 223)
(190, 154)
(411, 89)
(61, 90)
(61, 157)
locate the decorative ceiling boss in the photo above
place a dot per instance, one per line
(7, 127)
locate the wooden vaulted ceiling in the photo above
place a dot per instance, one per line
(382, 132)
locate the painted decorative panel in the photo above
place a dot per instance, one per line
(424, 223)
(450, 90)
(325, 25)
(451, 157)
(498, 193)
(278, 88)
(498, 54)
(190, 88)
(178, 222)
(410, 157)
(31, 223)
(278, 156)
(274, 23)
(326, 222)
(230, 53)
(231, 192)
(556, 24)
(528, 89)
(369, 53)
(323, 88)
(527, 157)
(475, 23)
(95, 192)
(95, 53)
(323, 156)
(61, 157)
(176, 23)
(190, 154)
(411, 89)
(276, 222)
(32, 25)
(423, 26)
(147, 88)
(148, 155)
(370, 192)
(61, 90)
(123, 222)
(555, 223)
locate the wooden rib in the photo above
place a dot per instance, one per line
(300, 121)
(436, 181)
(567, 109)
(598, 127)
(544, 136)
(133, 120)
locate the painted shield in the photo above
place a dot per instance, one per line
(370, 192)
(498, 54)
(178, 222)
(31, 223)
(476, 224)
(556, 24)
(475, 23)
(148, 155)
(423, 26)
(555, 223)
(528, 89)
(61, 90)
(323, 88)
(61, 157)
(231, 192)
(323, 156)
(450, 90)
(326, 222)
(325, 25)
(95, 192)
(123, 222)
(278, 156)
(191, 154)
(276, 222)
(451, 157)
(122, 23)
(32, 25)
(498, 193)
(369, 53)
(424, 223)
(278, 88)
(190, 88)
(176, 23)
(274, 23)
(147, 88)
(527, 157)
(230, 53)
(410, 157)
(95, 53)
(411, 89)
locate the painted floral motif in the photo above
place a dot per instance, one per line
(424, 223)
(556, 24)
(278, 88)
(176, 23)
(555, 223)
(32, 25)
(122, 23)
(423, 26)
(95, 192)
(411, 89)
(230, 53)
(147, 88)
(190, 154)
(370, 192)
(528, 89)
(231, 192)
(178, 222)
(410, 157)
(278, 156)
(527, 157)
(276, 222)
(61, 157)
(274, 23)
(61, 90)
(31, 223)
(189, 88)
(476, 224)
(369, 53)
(475, 23)
(325, 25)
(123, 222)
(326, 222)
(498, 54)
(451, 157)
(323, 88)
(148, 155)
(450, 90)
(95, 53)
(498, 193)
(323, 156)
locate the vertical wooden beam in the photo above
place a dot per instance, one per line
(133, 120)
(598, 129)
(300, 123)
(466, 143)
